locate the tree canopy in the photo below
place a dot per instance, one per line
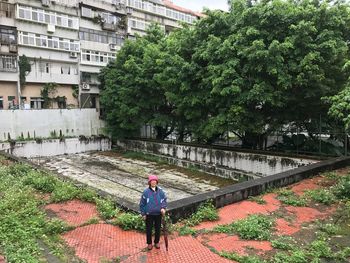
(250, 71)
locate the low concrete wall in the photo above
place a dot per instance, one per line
(224, 163)
(43, 123)
(237, 192)
(52, 147)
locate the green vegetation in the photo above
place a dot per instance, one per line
(323, 196)
(130, 221)
(256, 227)
(257, 199)
(247, 71)
(241, 259)
(22, 222)
(288, 197)
(205, 212)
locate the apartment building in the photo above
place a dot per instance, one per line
(67, 42)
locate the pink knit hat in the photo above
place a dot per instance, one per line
(152, 177)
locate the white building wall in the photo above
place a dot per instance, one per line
(42, 123)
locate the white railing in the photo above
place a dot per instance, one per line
(161, 10)
(97, 58)
(46, 17)
(43, 41)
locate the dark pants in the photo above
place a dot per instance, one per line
(150, 221)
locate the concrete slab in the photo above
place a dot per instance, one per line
(127, 178)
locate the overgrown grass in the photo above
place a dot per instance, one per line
(22, 222)
(254, 227)
(323, 196)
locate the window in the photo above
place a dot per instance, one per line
(7, 35)
(8, 63)
(1, 103)
(36, 103)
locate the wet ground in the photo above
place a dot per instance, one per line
(127, 178)
(101, 242)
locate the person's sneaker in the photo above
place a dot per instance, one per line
(149, 247)
(157, 246)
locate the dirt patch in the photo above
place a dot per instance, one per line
(102, 165)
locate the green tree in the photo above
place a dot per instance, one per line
(131, 94)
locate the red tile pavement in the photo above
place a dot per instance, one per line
(308, 184)
(241, 210)
(184, 249)
(74, 212)
(283, 227)
(94, 242)
(235, 244)
(302, 215)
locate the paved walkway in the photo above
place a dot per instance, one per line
(97, 242)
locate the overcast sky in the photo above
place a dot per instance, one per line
(197, 5)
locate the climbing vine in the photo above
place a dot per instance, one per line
(48, 90)
(24, 69)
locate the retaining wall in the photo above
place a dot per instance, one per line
(45, 123)
(224, 163)
(52, 147)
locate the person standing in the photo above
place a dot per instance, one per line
(153, 204)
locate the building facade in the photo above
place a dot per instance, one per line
(63, 44)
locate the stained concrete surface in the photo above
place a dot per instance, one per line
(127, 178)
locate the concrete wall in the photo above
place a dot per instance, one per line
(225, 163)
(42, 123)
(44, 148)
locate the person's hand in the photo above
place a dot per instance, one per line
(162, 211)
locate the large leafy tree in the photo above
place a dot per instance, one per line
(279, 59)
(131, 95)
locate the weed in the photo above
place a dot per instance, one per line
(288, 197)
(129, 221)
(185, 231)
(323, 196)
(241, 259)
(342, 189)
(257, 227)
(64, 191)
(284, 242)
(257, 199)
(205, 212)
(297, 256)
(56, 226)
(106, 208)
(328, 228)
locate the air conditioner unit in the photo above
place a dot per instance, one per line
(73, 54)
(85, 86)
(113, 47)
(51, 28)
(45, 2)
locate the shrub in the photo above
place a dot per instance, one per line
(342, 188)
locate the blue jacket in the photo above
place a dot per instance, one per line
(152, 201)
